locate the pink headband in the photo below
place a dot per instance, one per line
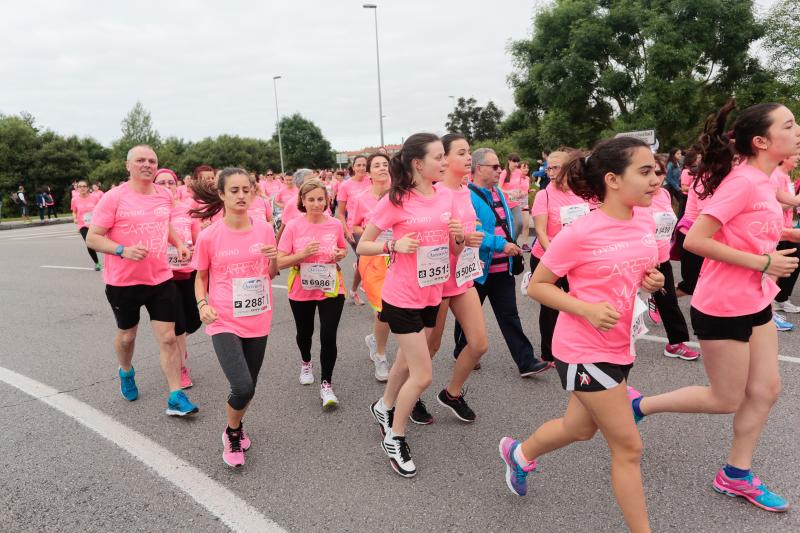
(167, 171)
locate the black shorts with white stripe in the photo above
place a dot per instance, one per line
(591, 377)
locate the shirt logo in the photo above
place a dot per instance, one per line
(584, 379)
(161, 211)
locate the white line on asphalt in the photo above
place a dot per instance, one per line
(654, 338)
(65, 267)
(37, 237)
(56, 232)
(236, 513)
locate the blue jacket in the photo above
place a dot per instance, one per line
(673, 177)
(486, 222)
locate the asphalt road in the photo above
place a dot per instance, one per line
(314, 471)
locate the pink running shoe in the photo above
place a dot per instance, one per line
(682, 351)
(245, 439)
(232, 452)
(186, 380)
(751, 489)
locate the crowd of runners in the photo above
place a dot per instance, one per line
(438, 228)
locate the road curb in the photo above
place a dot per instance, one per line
(5, 226)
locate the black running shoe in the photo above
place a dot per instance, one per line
(458, 405)
(420, 414)
(537, 368)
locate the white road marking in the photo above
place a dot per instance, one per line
(234, 512)
(66, 267)
(39, 237)
(654, 338)
(16, 236)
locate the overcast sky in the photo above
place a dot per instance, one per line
(205, 68)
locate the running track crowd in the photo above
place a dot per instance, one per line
(436, 229)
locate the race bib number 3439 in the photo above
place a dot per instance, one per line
(250, 296)
(433, 265)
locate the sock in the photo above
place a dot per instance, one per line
(736, 473)
(383, 405)
(230, 429)
(635, 404)
(127, 374)
(449, 396)
(520, 458)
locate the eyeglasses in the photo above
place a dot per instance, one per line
(165, 182)
(554, 169)
(270, 174)
(83, 186)
(493, 167)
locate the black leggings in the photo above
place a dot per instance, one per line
(187, 318)
(690, 266)
(241, 360)
(548, 316)
(83, 231)
(667, 303)
(330, 311)
(787, 284)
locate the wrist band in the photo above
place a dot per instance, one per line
(459, 243)
(769, 262)
(386, 247)
(202, 301)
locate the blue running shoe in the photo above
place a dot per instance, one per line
(179, 404)
(634, 394)
(127, 384)
(751, 489)
(516, 475)
(781, 324)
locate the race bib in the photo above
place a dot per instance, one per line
(433, 264)
(571, 213)
(638, 327)
(318, 276)
(250, 296)
(469, 266)
(665, 224)
(87, 218)
(174, 259)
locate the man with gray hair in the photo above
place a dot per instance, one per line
(497, 251)
(131, 225)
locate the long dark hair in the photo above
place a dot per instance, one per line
(718, 146)
(511, 157)
(671, 157)
(400, 168)
(207, 193)
(586, 173)
(448, 140)
(376, 155)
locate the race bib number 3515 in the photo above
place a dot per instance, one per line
(433, 265)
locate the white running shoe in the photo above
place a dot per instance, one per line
(383, 416)
(329, 399)
(372, 344)
(399, 454)
(306, 373)
(381, 367)
(786, 307)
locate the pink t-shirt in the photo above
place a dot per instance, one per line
(352, 187)
(782, 182)
(752, 220)
(428, 218)
(289, 199)
(513, 187)
(182, 192)
(296, 236)
(686, 178)
(360, 209)
(464, 212)
(238, 278)
(74, 192)
(664, 217)
(182, 224)
(694, 206)
(132, 218)
(562, 209)
(83, 208)
(606, 260)
(260, 207)
(98, 194)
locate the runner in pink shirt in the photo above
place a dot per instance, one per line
(347, 191)
(82, 206)
(737, 233)
(261, 206)
(510, 183)
(311, 247)
(286, 201)
(424, 233)
(609, 255)
(97, 192)
(131, 225)
(525, 189)
(786, 195)
(691, 263)
(236, 260)
(187, 319)
(459, 294)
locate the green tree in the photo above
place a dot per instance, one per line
(137, 128)
(303, 144)
(782, 41)
(231, 151)
(476, 123)
(593, 67)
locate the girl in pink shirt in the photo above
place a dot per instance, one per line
(236, 259)
(459, 294)
(737, 233)
(373, 269)
(424, 233)
(788, 198)
(312, 245)
(608, 255)
(509, 183)
(261, 206)
(348, 191)
(82, 206)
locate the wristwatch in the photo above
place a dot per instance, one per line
(118, 251)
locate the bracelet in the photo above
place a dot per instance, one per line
(460, 243)
(202, 301)
(769, 262)
(200, 307)
(385, 247)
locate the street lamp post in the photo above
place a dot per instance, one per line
(374, 7)
(278, 119)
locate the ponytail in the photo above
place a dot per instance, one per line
(400, 167)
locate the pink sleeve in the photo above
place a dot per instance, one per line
(686, 178)
(560, 256)
(287, 239)
(105, 211)
(539, 206)
(386, 214)
(72, 204)
(200, 258)
(342, 195)
(353, 213)
(729, 199)
(340, 237)
(271, 235)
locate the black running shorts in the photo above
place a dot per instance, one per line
(160, 301)
(591, 377)
(722, 328)
(402, 321)
(187, 316)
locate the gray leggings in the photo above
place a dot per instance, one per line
(241, 361)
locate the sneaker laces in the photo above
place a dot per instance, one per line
(403, 449)
(235, 439)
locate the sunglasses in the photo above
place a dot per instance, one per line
(493, 167)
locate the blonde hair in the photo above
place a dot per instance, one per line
(560, 180)
(306, 188)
